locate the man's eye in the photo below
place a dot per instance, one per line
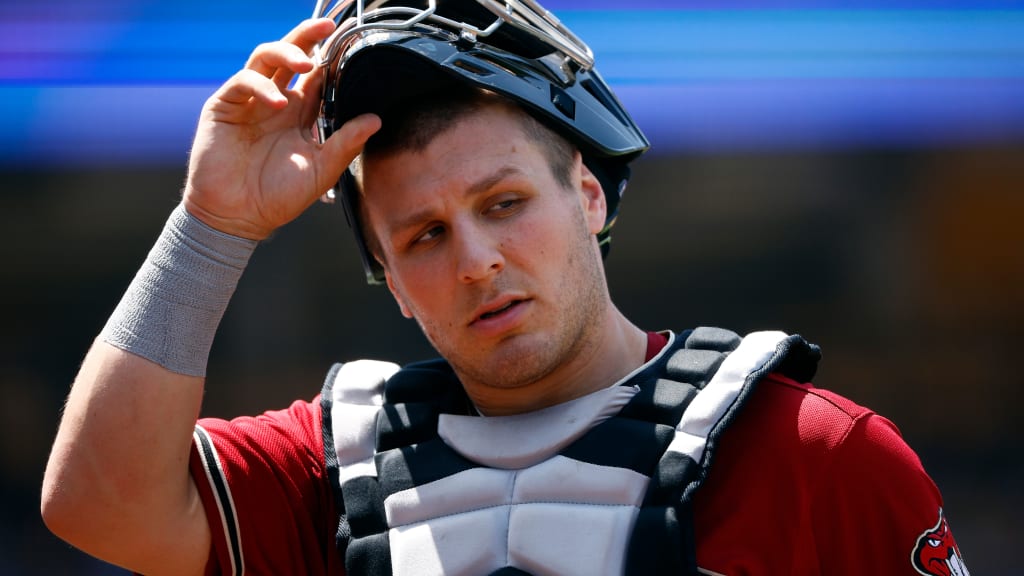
(504, 205)
(429, 235)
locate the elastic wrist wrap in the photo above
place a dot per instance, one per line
(172, 308)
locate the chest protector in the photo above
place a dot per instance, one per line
(603, 484)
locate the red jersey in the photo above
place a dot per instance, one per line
(802, 482)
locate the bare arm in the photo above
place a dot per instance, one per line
(117, 484)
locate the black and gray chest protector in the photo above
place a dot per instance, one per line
(603, 484)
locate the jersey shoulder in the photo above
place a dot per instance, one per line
(823, 419)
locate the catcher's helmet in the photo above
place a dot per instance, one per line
(386, 52)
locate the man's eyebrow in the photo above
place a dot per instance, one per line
(479, 187)
(488, 182)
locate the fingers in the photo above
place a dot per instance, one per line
(269, 70)
(247, 84)
(304, 37)
(246, 98)
(279, 61)
(344, 145)
(308, 33)
(352, 135)
(289, 56)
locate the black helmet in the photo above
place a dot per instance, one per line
(385, 52)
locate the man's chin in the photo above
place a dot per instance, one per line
(514, 362)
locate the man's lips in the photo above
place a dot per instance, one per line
(496, 308)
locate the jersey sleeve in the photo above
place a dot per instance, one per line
(876, 510)
(262, 482)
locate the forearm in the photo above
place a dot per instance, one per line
(120, 458)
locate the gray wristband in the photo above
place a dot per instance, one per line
(172, 308)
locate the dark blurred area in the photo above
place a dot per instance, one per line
(849, 171)
(905, 266)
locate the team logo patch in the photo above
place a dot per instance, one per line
(936, 553)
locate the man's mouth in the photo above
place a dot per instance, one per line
(498, 311)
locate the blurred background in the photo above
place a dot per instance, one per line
(850, 171)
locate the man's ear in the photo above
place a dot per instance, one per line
(595, 205)
(397, 296)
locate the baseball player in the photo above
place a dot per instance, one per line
(480, 159)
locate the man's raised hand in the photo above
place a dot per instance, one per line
(255, 163)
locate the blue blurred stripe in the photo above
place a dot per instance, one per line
(86, 81)
(671, 46)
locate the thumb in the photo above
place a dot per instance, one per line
(343, 146)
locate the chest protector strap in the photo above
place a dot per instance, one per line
(381, 437)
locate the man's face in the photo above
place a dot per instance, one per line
(494, 259)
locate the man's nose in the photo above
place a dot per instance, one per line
(478, 253)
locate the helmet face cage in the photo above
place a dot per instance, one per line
(515, 48)
(526, 15)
